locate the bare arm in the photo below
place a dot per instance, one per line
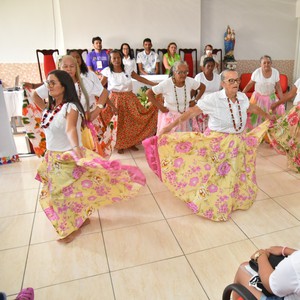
(103, 80)
(38, 101)
(103, 98)
(201, 90)
(166, 64)
(151, 97)
(278, 89)
(254, 109)
(71, 132)
(141, 69)
(248, 86)
(285, 97)
(192, 112)
(157, 68)
(142, 79)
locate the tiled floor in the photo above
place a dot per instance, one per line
(151, 247)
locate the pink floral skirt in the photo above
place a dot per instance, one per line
(73, 188)
(214, 173)
(164, 119)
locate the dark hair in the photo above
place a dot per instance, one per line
(130, 51)
(208, 45)
(70, 95)
(83, 68)
(147, 40)
(96, 38)
(207, 60)
(111, 65)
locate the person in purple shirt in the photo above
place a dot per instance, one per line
(97, 60)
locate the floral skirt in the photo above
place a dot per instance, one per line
(164, 119)
(73, 188)
(200, 123)
(285, 137)
(135, 122)
(264, 102)
(214, 173)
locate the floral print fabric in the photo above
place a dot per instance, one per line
(73, 188)
(285, 137)
(214, 173)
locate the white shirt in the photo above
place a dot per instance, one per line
(148, 61)
(285, 279)
(130, 64)
(118, 82)
(211, 86)
(265, 86)
(216, 106)
(297, 98)
(166, 88)
(56, 137)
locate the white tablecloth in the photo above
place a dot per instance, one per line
(155, 78)
(14, 103)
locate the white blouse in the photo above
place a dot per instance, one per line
(216, 106)
(265, 86)
(167, 88)
(118, 82)
(130, 64)
(297, 98)
(211, 86)
(56, 136)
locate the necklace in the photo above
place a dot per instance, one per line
(177, 102)
(55, 111)
(79, 91)
(232, 116)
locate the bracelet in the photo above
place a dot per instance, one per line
(75, 147)
(282, 251)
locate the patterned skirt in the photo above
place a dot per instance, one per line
(214, 173)
(285, 137)
(164, 119)
(73, 188)
(135, 122)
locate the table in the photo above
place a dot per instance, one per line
(14, 104)
(155, 78)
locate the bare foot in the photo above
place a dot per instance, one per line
(134, 148)
(121, 151)
(86, 222)
(70, 237)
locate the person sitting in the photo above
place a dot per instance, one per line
(135, 122)
(212, 82)
(176, 91)
(213, 172)
(170, 57)
(208, 52)
(97, 59)
(128, 58)
(283, 281)
(148, 60)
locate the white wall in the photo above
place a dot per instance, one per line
(261, 27)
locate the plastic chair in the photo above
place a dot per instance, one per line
(215, 52)
(243, 292)
(49, 63)
(190, 56)
(245, 78)
(161, 53)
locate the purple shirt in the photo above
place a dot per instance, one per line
(97, 60)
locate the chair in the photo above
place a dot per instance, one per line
(49, 63)
(80, 51)
(245, 78)
(215, 52)
(239, 289)
(190, 56)
(161, 53)
(141, 50)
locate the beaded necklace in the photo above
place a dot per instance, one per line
(232, 116)
(177, 102)
(54, 112)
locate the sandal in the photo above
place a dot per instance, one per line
(134, 148)
(26, 294)
(121, 151)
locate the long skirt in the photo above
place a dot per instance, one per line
(73, 188)
(164, 119)
(200, 123)
(214, 173)
(135, 122)
(264, 102)
(285, 137)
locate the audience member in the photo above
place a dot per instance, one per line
(75, 180)
(128, 58)
(170, 57)
(148, 60)
(266, 80)
(97, 59)
(214, 172)
(135, 122)
(212, 82)
(282, 281)
(176, 92)
(208, 52)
